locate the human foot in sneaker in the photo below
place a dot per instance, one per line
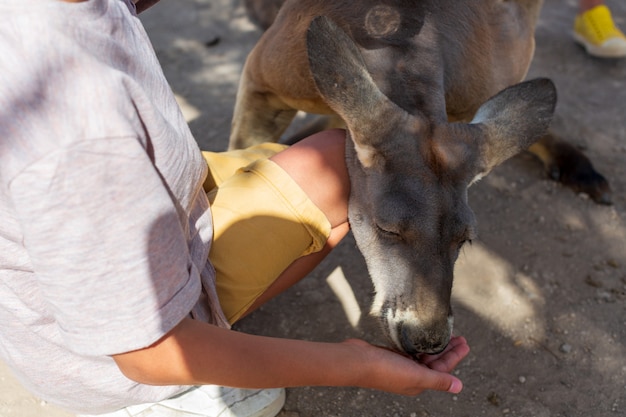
(595, 30)
(210, 401)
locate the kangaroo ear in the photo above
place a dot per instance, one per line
(343, 81)
(513, 120)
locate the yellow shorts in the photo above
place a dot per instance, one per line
(262, 221)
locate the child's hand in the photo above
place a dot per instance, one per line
(399, 374)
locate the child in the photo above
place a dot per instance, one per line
(124, 259)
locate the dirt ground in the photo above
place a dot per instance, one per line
(540, 295)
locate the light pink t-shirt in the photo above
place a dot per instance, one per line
(104, 227)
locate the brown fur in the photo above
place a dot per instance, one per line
(476, 49)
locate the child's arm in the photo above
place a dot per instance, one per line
(197, 353)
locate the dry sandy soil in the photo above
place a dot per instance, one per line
(540, 295)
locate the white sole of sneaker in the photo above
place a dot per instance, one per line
(613, 48)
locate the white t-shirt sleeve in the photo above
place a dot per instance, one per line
(104, 236)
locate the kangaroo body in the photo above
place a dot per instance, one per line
(429, 94)
(428, 55)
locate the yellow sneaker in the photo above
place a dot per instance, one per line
(595, 30)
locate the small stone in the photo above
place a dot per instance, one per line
(493, 398)
(565, 348)
(212, 41)
(522, 379)
(605, 296)
(592, 282)
(612, 263)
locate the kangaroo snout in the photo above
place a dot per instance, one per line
(415, 335)
(419, 340)
(430, 340)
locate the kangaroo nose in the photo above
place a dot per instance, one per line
(431, 341)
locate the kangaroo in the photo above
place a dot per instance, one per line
(491, 47)
(392, 71)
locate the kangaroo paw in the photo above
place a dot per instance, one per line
(569, 166)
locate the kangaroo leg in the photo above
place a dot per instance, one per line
(562, 161)
(566, 164)
(258, 117)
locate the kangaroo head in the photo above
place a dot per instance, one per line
(409, 175)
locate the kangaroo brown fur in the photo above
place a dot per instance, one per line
(488, 46)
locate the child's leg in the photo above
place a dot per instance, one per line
(584, 5)
(324, 178)
(276, 219)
